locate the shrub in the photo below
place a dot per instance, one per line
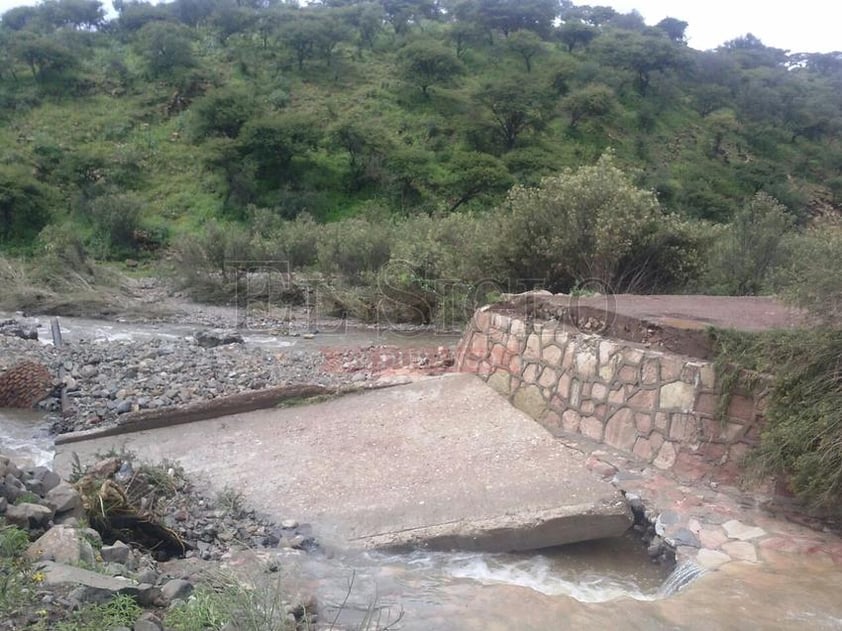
(747, 253)
(115, 219)
(575, 226)
(353, 247)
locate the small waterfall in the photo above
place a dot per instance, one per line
(682, 575)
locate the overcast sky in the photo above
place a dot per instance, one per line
(801, 26)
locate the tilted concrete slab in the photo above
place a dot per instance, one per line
(445, 462)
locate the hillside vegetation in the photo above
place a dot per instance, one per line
(529, 143)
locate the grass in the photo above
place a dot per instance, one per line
(802, 437)
(17, 580)
(120, 611)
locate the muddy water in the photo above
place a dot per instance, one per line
(25, 436)
(329, 335)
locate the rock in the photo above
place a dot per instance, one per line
(12, 487)
(63, 498)
(148, 622)
(3, 505)
(737, 530)
(148, 576)
(117, 553)
(122, 407)
(91, 587)
(211, 338)
(62, 544)
(29, 516)
(49, 478)
(289, 524)
(177, 588)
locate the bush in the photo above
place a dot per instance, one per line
(580, 225)
(748, 252)
(115, 219)
(354, 247)
(812, 279)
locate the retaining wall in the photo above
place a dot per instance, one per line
(662, 407)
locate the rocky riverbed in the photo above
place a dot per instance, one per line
(110, 532)
(103, 380)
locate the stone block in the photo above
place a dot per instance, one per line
(575, 393)
(662, 422)
(587, 407)
(530, 400)
(666, 456)
(644, 400)
(599, 391)
(683, 428)
(482, 319)
(548, 378)
(711, 559)
(532, 352)
(517, 327)
(690, 374)
(617, 395)
(586, 363)
(514, 345)
(671, 367)
(608, 369)
(643, 422)
(531, 373)
(736, 529)
(499, 355)
(552, 355)
(552, 420)
(632, 356)
(591, 427)
(564, 385)
(707, 376)
(628, 374)
(677, 396)
(643, 449)
(607, 349)
(650, 372)
(570, 421)
(501, 381)
(620, 431)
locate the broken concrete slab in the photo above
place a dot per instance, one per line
(445, 462)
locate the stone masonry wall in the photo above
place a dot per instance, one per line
(659, 406)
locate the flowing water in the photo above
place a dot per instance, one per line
(25, 436)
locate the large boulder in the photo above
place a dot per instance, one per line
(94, 587)
(63, 498)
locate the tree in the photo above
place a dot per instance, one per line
(515, 107)
(165, 47)
(78, 14)
(427, 62)
(643, 54)
(674, 28)
(507, 17)
(24, 206)
(271, 143)
(45, 57)
(591, 101)
(300, 34)
(575, 33)
(18, 18)
(222, 112)
(473, 174)
(526, 44)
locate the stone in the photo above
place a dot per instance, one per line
(49, 479)
(711, 559)
(4, 504)
(116, 553)
(666, 456)
(91, 586)
(28, 516)
(570, 421)
(736, 529)
(620, 430)
(552, 355)
(740, 550)
(644, 400)
(533, 348)
(683, 537)
(177, 588)
(586, 363)
(501, 382)
(530, 400)
(63, 544)
(591, 427)
(682, 428)
(63, 498)
(677, 396)
(289, 524)
(148, 622)
(211, 338)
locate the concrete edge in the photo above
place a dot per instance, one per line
(533, 530)
(212, 408)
